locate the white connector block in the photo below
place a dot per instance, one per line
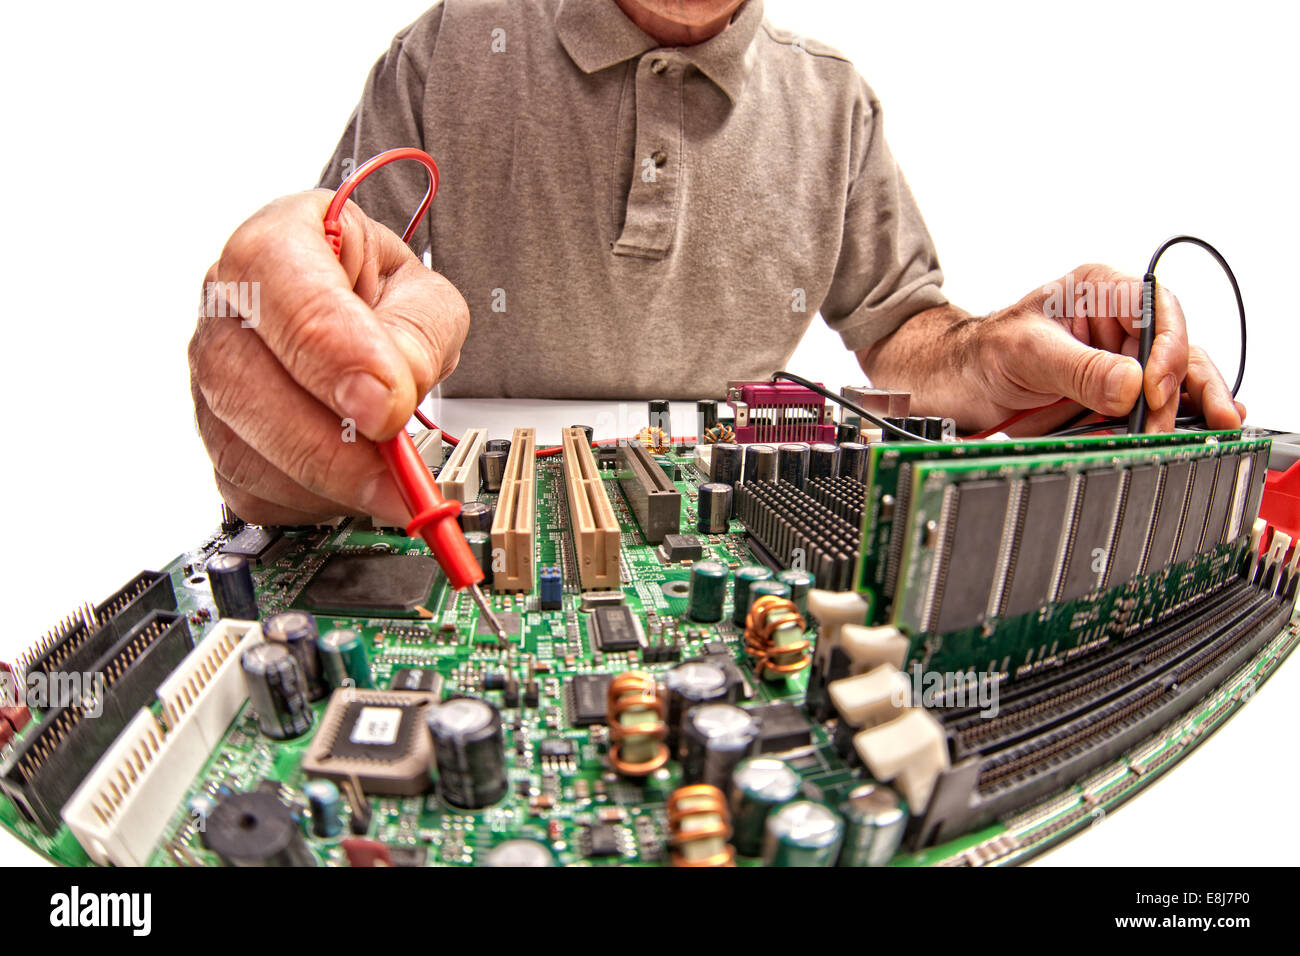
(428, 442)
(122, 807)
(459, 477)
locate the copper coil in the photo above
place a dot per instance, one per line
(693, 802)
(720, 432)
(655, 439)
(636, 690)
(767, 614)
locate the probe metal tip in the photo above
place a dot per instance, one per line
(486, 611)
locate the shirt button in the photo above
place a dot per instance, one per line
(658, 66)
(659, 157)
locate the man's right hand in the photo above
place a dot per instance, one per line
(324, 358)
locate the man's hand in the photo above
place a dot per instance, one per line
(1075, 338)
(301, 362)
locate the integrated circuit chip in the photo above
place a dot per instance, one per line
(417, 679)
(1030, 575)
(976, 511)
(615, 628)
(255, 543)
(600, 839)
(376, 736)
(1134, 524)
(782, 726)
(1093, 522)
(373, 585)
(586, 694)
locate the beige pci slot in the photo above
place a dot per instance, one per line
(459, 476)
(428, 442)
(591, 517)
(514, 525)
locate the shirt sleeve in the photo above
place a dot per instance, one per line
(390, 114)
(888, 269)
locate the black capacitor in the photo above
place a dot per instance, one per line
(497, 444)
(491, 468)
(760, 463)
(853, 460)
(476, 516)
(792, 464)
(915, 425)
(706, 409)
(690, 683)
(823, 461)
(255, 829)
(724, 464)
(933, 428)
(588, 430)
(470, 752)
(231, 581)
(480, 545)
(713, 508)
(276, 691)
(297, 631)
(661, 415)
(716, 737)
(846, 431)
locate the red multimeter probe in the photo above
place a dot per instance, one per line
(433, 517)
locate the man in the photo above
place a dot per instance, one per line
(640, 198)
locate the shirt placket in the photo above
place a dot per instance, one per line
(650, 220)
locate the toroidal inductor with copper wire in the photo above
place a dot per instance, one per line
(636, 716)
(774, 637)
(699, 826)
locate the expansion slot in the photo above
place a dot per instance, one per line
(459, 477)
(654, 499)
(122, 808)
(428, 442)
(50, 762)
(514, 526)
(591, 517)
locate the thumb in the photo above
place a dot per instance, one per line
(1057, 363)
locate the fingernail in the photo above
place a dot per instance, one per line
(365, 399)
(1116, 379)
(1168, 389)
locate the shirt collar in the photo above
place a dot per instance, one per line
(597, 35)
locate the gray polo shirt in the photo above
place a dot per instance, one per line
(633, 221)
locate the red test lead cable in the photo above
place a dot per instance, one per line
(433, 517)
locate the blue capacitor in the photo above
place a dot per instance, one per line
(551, 588)
(323, 798)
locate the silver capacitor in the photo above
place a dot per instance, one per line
(713, 508)
(716, 737)
(803, 833)
(875, 817)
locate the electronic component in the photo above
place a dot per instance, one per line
(779, 411)
(690, 683)
(681, 547)
(476, 516)
(600, 839)
(782, 726)
(660, 414)
(480, 545)
(514, 526)
(459, 478)
(716, 737)
(469, 747)
(746, 577)
(428, 444)
(823, 461)
(373, 585)
(232, 586)
(713, 507)
(616, 629)
(699, 825)
(760, 463)
(635, 713)
(654, 500)
(874, 820)
(255, 543)
(326, 807)
(792, 464)
(514, 853)
(550, 588)
(794, 528)
(587, 699)
(708, 590)
(592, 522)
(376, 737)
(343, 659)
(853, 460)
(803, 833)
(491, 469)
(255, 829)
(724, 464)
(416, 679)
(758, 786)
(799, 583)
(296, 630)
(277, 690)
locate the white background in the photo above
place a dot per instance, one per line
(1035, 136)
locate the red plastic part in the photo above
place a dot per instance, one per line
(1280, 506)
(433, 517)
(363, 852)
